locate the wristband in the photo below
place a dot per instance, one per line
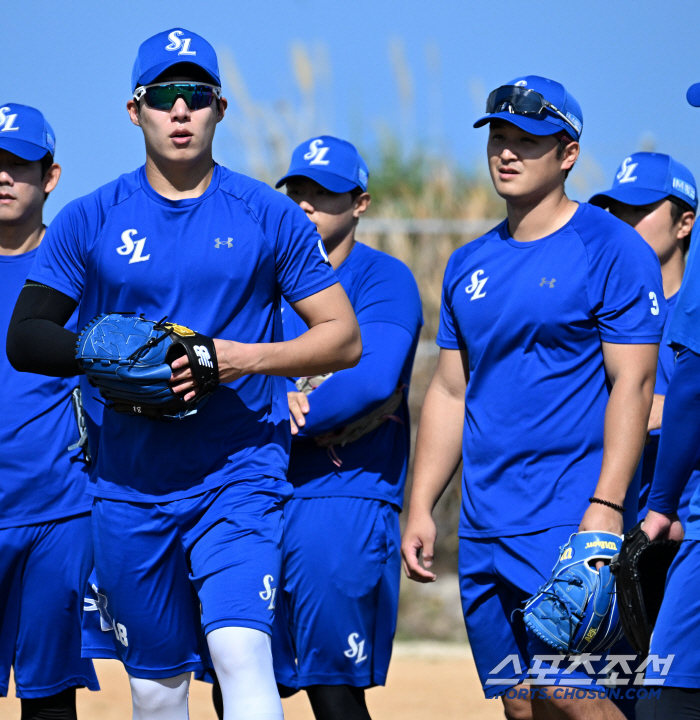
(607, 503)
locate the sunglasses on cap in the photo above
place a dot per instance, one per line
(163, 96)
(522, 101)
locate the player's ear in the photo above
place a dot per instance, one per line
(362, 202)
(685, 225)
(221, 106)
(570, 155)
(51, 178)
(133, 110)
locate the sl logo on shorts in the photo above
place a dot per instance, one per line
(269, 592)
(356, 649)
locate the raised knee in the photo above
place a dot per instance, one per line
(517, 709)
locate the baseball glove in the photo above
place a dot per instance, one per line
(576, 610)
(355, 430)
(128, 359)
(641, 568)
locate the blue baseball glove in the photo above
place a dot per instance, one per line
(128, 359)
(576, 611)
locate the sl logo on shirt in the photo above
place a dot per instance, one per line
(130, 246)
(269, 592)
(476, 286)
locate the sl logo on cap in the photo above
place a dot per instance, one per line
(176, 42)
(7, 121)
(625, 174)
(317, 153)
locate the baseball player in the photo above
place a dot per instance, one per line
(657, 196)
(338, 597)
(548, 340)
(677, 630)
(187, 513)
(45, 542)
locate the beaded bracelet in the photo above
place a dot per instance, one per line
(607, 503)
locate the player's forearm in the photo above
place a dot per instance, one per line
(626, 418)
(438, 448)
(679, 446)
(327, 347)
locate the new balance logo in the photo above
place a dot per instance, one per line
(544, 282)
(7, 121)
(626, 170)
(317, 153)
(476, 286)
(203, 356)
(269, 592)
(226, 243)
(356, 649)
(133, 247)
(177, 42)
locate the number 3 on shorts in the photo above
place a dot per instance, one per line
(654, 303)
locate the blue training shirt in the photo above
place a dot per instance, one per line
(218, 264)
(684, 330)
(531, 316)
(40, 480)
(385, 298)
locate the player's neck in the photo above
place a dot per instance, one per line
(672, 273)
(537, 217)
(180, 181)
(20, 239)
(338, 251)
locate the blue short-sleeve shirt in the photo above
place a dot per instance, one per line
(531, 316)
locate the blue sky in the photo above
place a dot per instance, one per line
(415, 70)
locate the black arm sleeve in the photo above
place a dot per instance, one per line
(37, 342)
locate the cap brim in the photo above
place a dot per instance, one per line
(22, 148)
(331, 182)
(528, 124)
(628, 196)
(693, 95)
(152, 73)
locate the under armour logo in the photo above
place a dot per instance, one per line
(544, 282)
(228, 243)
(626, 170)
(269, 592)
(356, 649)
(98, 603)
(7, 121)
(133, 246)
(317, 153)
(203, 356)
(476, 286)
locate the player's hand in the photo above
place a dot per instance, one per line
(419, 539)
(657, 411)
(298, 407)
(662, 526)
(601, 518)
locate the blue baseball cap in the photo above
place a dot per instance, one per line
(24, 132)
(693, 95)
(333, 163)
(169, 48)
(547, 122)
(646, 177)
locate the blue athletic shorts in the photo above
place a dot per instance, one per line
(674, 657)
(42, 570)
(496, 576)
(169, 573)
(336, 614)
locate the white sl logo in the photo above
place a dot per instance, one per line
(654, 303)
(7, 120)
(356, 649)
(179, 43)
(130, 246)
(477, 285)
(269, 592)
(625, 174)
(203, 355)
(317, 153)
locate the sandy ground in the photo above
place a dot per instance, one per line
(425, 680)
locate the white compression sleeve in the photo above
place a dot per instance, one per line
(160, 699)
(243, 662)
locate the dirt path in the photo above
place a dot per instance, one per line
(425, 680)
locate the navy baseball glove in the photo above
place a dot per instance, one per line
(128, 359)
(576, 611)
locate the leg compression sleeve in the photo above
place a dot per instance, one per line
(56, 707)
(160, 699)
(338, 702)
